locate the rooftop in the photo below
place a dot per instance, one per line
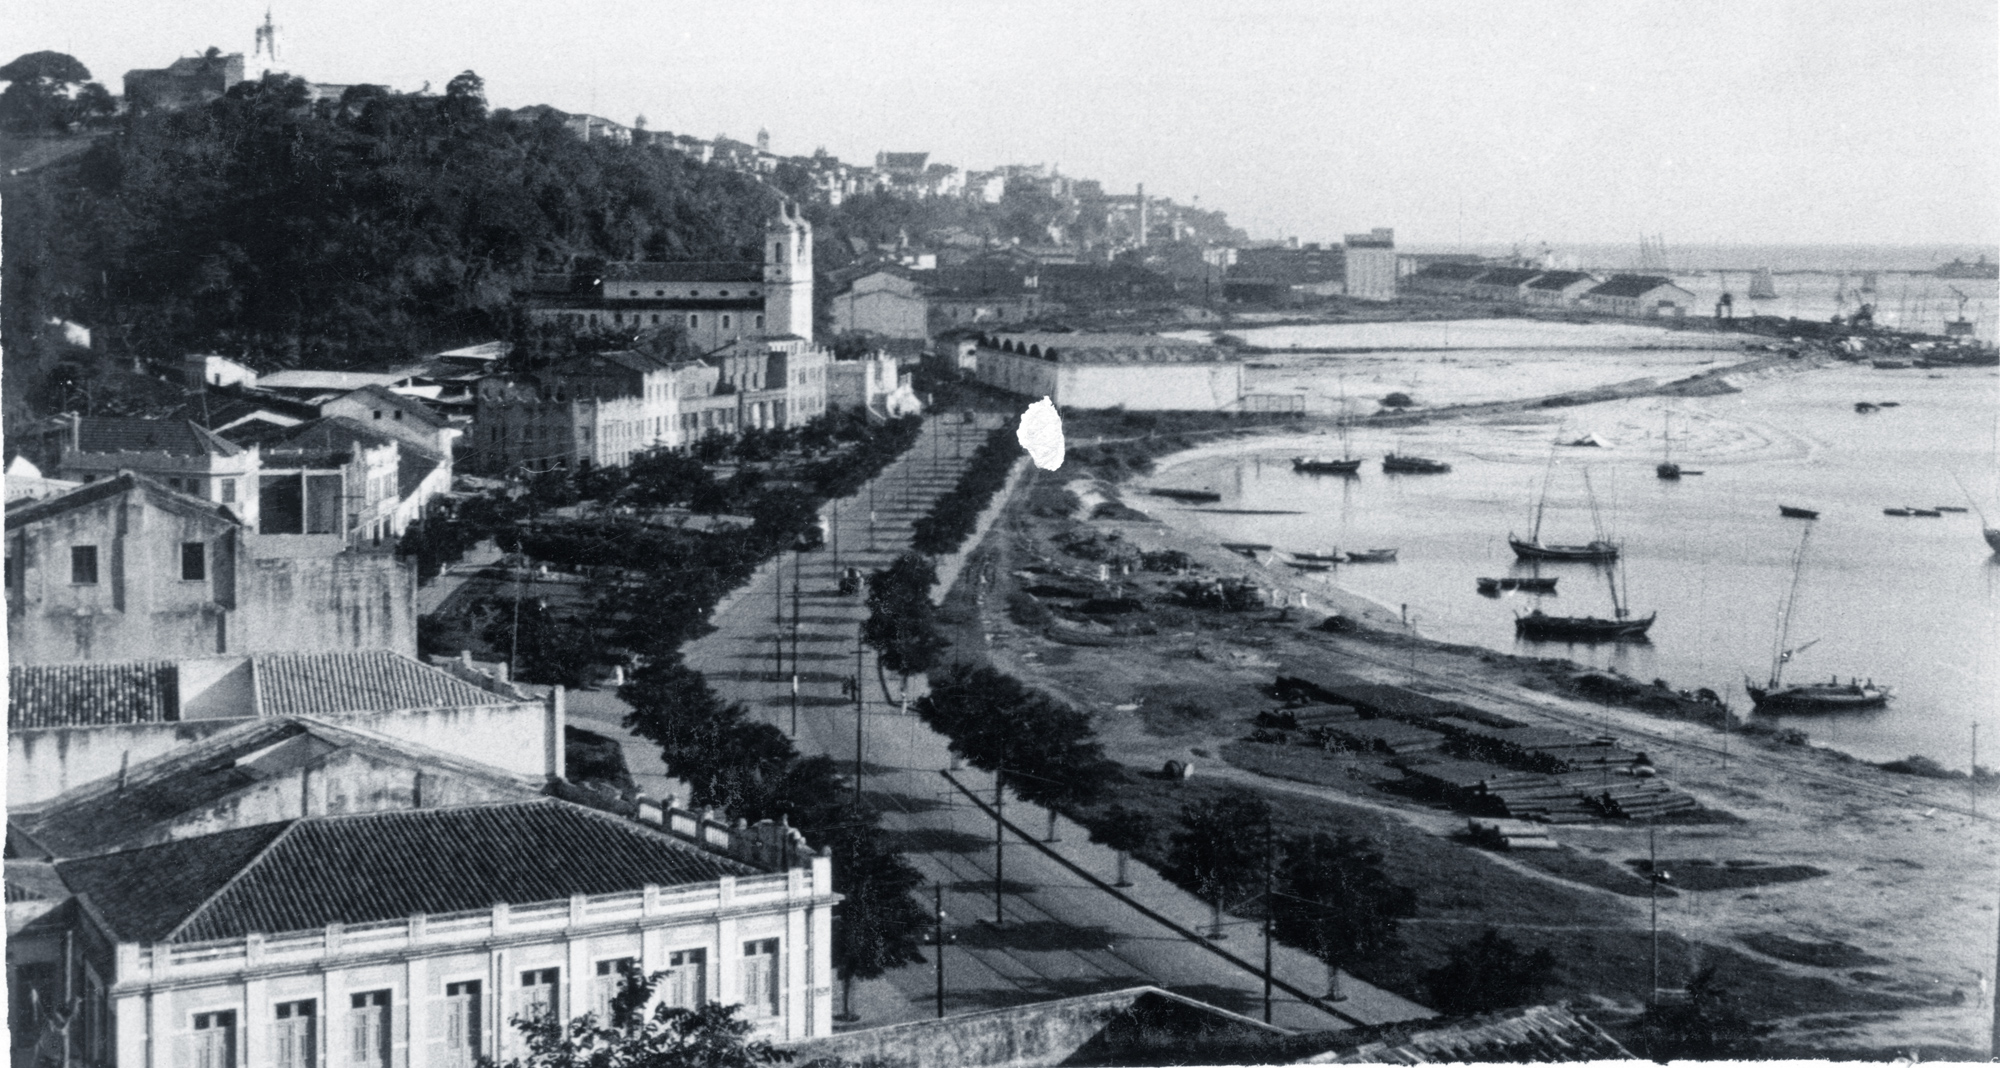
(176, 437)
(207, 779)
(1452, 272)
(683, 272)
(1629, 285)
(106, 488)
(1535, 1034)
(412, 408)
(302, 875)
(1560, 279)
(91, 695)
(330, 381)
(1506, 276)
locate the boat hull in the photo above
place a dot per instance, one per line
(1413, 465)
(1199, 496)
(1818, 697)
(1790, 512)
(1669, 472)
(1529, 585)
(1538, 627)
(1595, 552)
(1373, 556)
(1326, 467)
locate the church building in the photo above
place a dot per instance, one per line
(717, 302)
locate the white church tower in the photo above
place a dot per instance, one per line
(266, 57)
(788, 273)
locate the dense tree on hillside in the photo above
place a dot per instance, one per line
(48, 91)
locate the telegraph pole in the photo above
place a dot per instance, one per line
(1267, 923)
(938, 936)
(798, 562)
(857, 720)
(999, 844)
(1653, 892)
(778, 607)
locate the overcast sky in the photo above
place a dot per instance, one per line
(1828, 121)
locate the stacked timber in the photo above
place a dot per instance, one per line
(1640, 799)
(1385, 736)
(1510, 834)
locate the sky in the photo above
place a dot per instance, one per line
(1531, 122)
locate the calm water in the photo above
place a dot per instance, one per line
(1913, 603)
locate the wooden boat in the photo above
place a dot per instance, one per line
(1538, 626)
(1598, 550)
(1863, 407)
(1890, 365)
(1247, 548)
(1525, 584)
(1320, 558)
(1372, 556)
(1896, 511)
(1927, 513)
(1315, 465)
(1789, 512)
(1834, 696)
(1888, 404)
(1413, 465)
(1198, 496)
(1308, 565)
(1948, 508)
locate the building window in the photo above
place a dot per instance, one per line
(461, 1024)
(635, 292)
(694, 321)
(617, 317)
(760, 977)
(229, 491)
(396, 416)
(687, 979)
(83, 565)
(694, 292)
(605, 985)
(214, 1040)
(378, 413)
(368, 1029)
(724, 293)
(760, 322)
(725, 322)
(656, 319)
(194, 561)
(659, 292)
(294, 1043)
(540, 992)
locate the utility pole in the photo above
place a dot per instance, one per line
(938, 936)
(778, 609)
(857, 720)
(1267, 922)
(1653, 892)
(999, 844)
(835, 530)
(798, 562)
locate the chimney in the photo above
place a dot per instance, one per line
(556, 720)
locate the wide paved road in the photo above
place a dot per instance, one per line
(1061, 934)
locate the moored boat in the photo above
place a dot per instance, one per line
(1863, 407)
(1596, 552)
(1834, 696)
(1790, 512)
(1332, 557)
(1198, 496)
(1949, 508)
(1372, 556)
(1316, 465)
(1308, 565)
(1896, 511)
(1927, 513)
(1539, 626)
(1413, 465)
(1247, 548)
(1524, 584)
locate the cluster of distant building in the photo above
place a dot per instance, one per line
(1635, 296)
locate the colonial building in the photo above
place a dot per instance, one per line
(1509, 284)
(1558, 289)
(125, 568)
(769, 383)
(1371, 264)
(885, 303)
(1638, 296)
(874, 384)
(1135, 371)
(410, 937)
(187, 82)
(178, 452)
(601, 409)
(716, 303)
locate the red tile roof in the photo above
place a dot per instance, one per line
(92, 695)
(682, 272)
(178, 437)
(305, 874)
(307, 684)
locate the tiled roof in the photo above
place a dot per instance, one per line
(683, 272)
(200, 778)
(413, 465)
(91, 695)
(417, 409)
(308, 684)
(334, 433)
(176, 437)
(342, 381)
(305, 874)
(1560, 280)
(1536, 1034)
(1629, 285)
(1452, 272)
(105, 488)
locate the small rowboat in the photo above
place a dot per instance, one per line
(1319, 558)
(1307, 565)
(1372, 556)
(1526, 585)
(1247, 548)
(1790, 512)
(1196, 496)
(1949, 508)
(1927, 513)
(1896, 511)
(1413, 465)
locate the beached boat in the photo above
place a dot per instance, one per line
(1525, 584)
(1864, 407)
(1598, 550)
(1890, 365)
(1896, 511)
(1834, 696)
(1372, 556)
(1198, 496)
(1247, 548)
(1330, 557)
(1413, 465)
(1790, 512)
(1308, 565)
(1318, 465)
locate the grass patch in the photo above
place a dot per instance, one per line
(1816, 954)
(1306, 764)
(1567, 863)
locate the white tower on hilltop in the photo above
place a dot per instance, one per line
(266, 56)
(788, 273)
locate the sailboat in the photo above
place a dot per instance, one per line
(1667, 468)
(1597, 550)
(1762, 287)
(1540, 626)
(1833, 696)
(1348, 464)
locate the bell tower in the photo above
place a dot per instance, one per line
(788, 273)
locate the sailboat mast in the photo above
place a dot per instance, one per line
(1667, 435)
(1596, 517)
(1542, 503)
(1785, 617)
